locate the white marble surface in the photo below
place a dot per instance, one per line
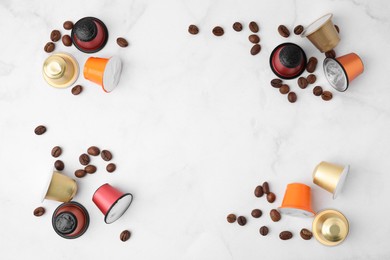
(194, 126)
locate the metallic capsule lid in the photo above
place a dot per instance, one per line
(330, 227)
(60, 70)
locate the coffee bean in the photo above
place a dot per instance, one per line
(311, 64)
(317, 91)
(80, 173)
(255, 49)
(306, 234)
(266, 187)
(40, 130)
(84, 159)
(66, 40)
(125, 235)
(263, 231)
(327, 95)
(284, 89)
(77, 90)
(193, 29)
(275, 215)
(93, 150)
(330, 54)
(68, 25)
(259, 191)
(90, 169)
(337, 28)
(253, 38)
(292, 97)
(285, 235)
(49, 47)
(106, 155)
(298, 29)
(111, 167)
(122, 42)
(55, 36)
(302, 82)
(311, 78)
(59, 165)
(218, 31)
(283, 31)
(231, 218)
(39, 211)
(56, 151)
(237, 27)
(276, 83)
(241, 220)
(256, 213)
(253, 27)
(271, 197)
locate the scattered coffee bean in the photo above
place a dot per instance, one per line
(66, 40)
(40, 130)
(56, 151)
(241, 220)
(337, 28)
(259, 191)
(275, 215)
(111, 167)
(122, 42)
(237, 27)
(231, 218)
(266, 187)
(125, 235)
(285, 235)
(68, 25)
(256, 213)
(59, 165)
(49, 47)
(302, 82)
(55, 36)
(93, 150)
(39, 211)
(311, 64)
(311, 78)
(263, 231)
(306, 234)
(76, 90)
(298, 29)
(84, 159)
(292, 97)
(80, 173)
(218, 31)
(254, 38)
(90, 169)
(255, 49)
(330, 54)
(283, 31)
(276, 83)
(284, 89)
(317, 91)
(327, 95)
(254, 27)
(193, 29)
(106, 155)
(271, 197)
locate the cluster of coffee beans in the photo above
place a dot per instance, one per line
(55, 36)
(85, 160)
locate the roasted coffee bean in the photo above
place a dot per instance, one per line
(259, 191)
(276, 83)
(285, 235)
(311, 78)
(302, 82)
(311, 64)
(193, 29)
(93, 150)
(266, 187)
(241, 220)
(283, 31)
(66, 40)
(40, 130)
(84, 159)
(39, 211)
(275, 215)
(49, 47)
(231, 218)
(55, 36)
(327, 95)
(256, 213)
(317, 91)
(255, 49)
(122, 42)
(284, 89)
(292, 97)
(59, 165)
(330, 54)
(218, 31)
(271, 197)
(306, 234)
(253, 38)
(125, 235)
(106, 155)
(237, 27)
(111, 167)
(80, 173)
(254, 27)
(263, 231)
(56, 151)
(298, 29)
(77, 90)
(68, 25)
(337, 28)
(90, 169)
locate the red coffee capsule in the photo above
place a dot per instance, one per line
(89, 34)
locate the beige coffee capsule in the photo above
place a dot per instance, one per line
(330, 227)
(60, 70)
(60, 188)
(330, 177)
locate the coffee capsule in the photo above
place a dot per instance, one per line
(330, 227)
(342, 70)
(70, 220)
(60, 188)
(89, 34)
(330, 177)
(322, 33)
(297, 201)
(104, 72)
(60, 70)
(288, 60)
(111, 202)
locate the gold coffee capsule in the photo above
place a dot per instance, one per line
(330, 227)
(330, 177)
(60, 188)
(60, 70)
